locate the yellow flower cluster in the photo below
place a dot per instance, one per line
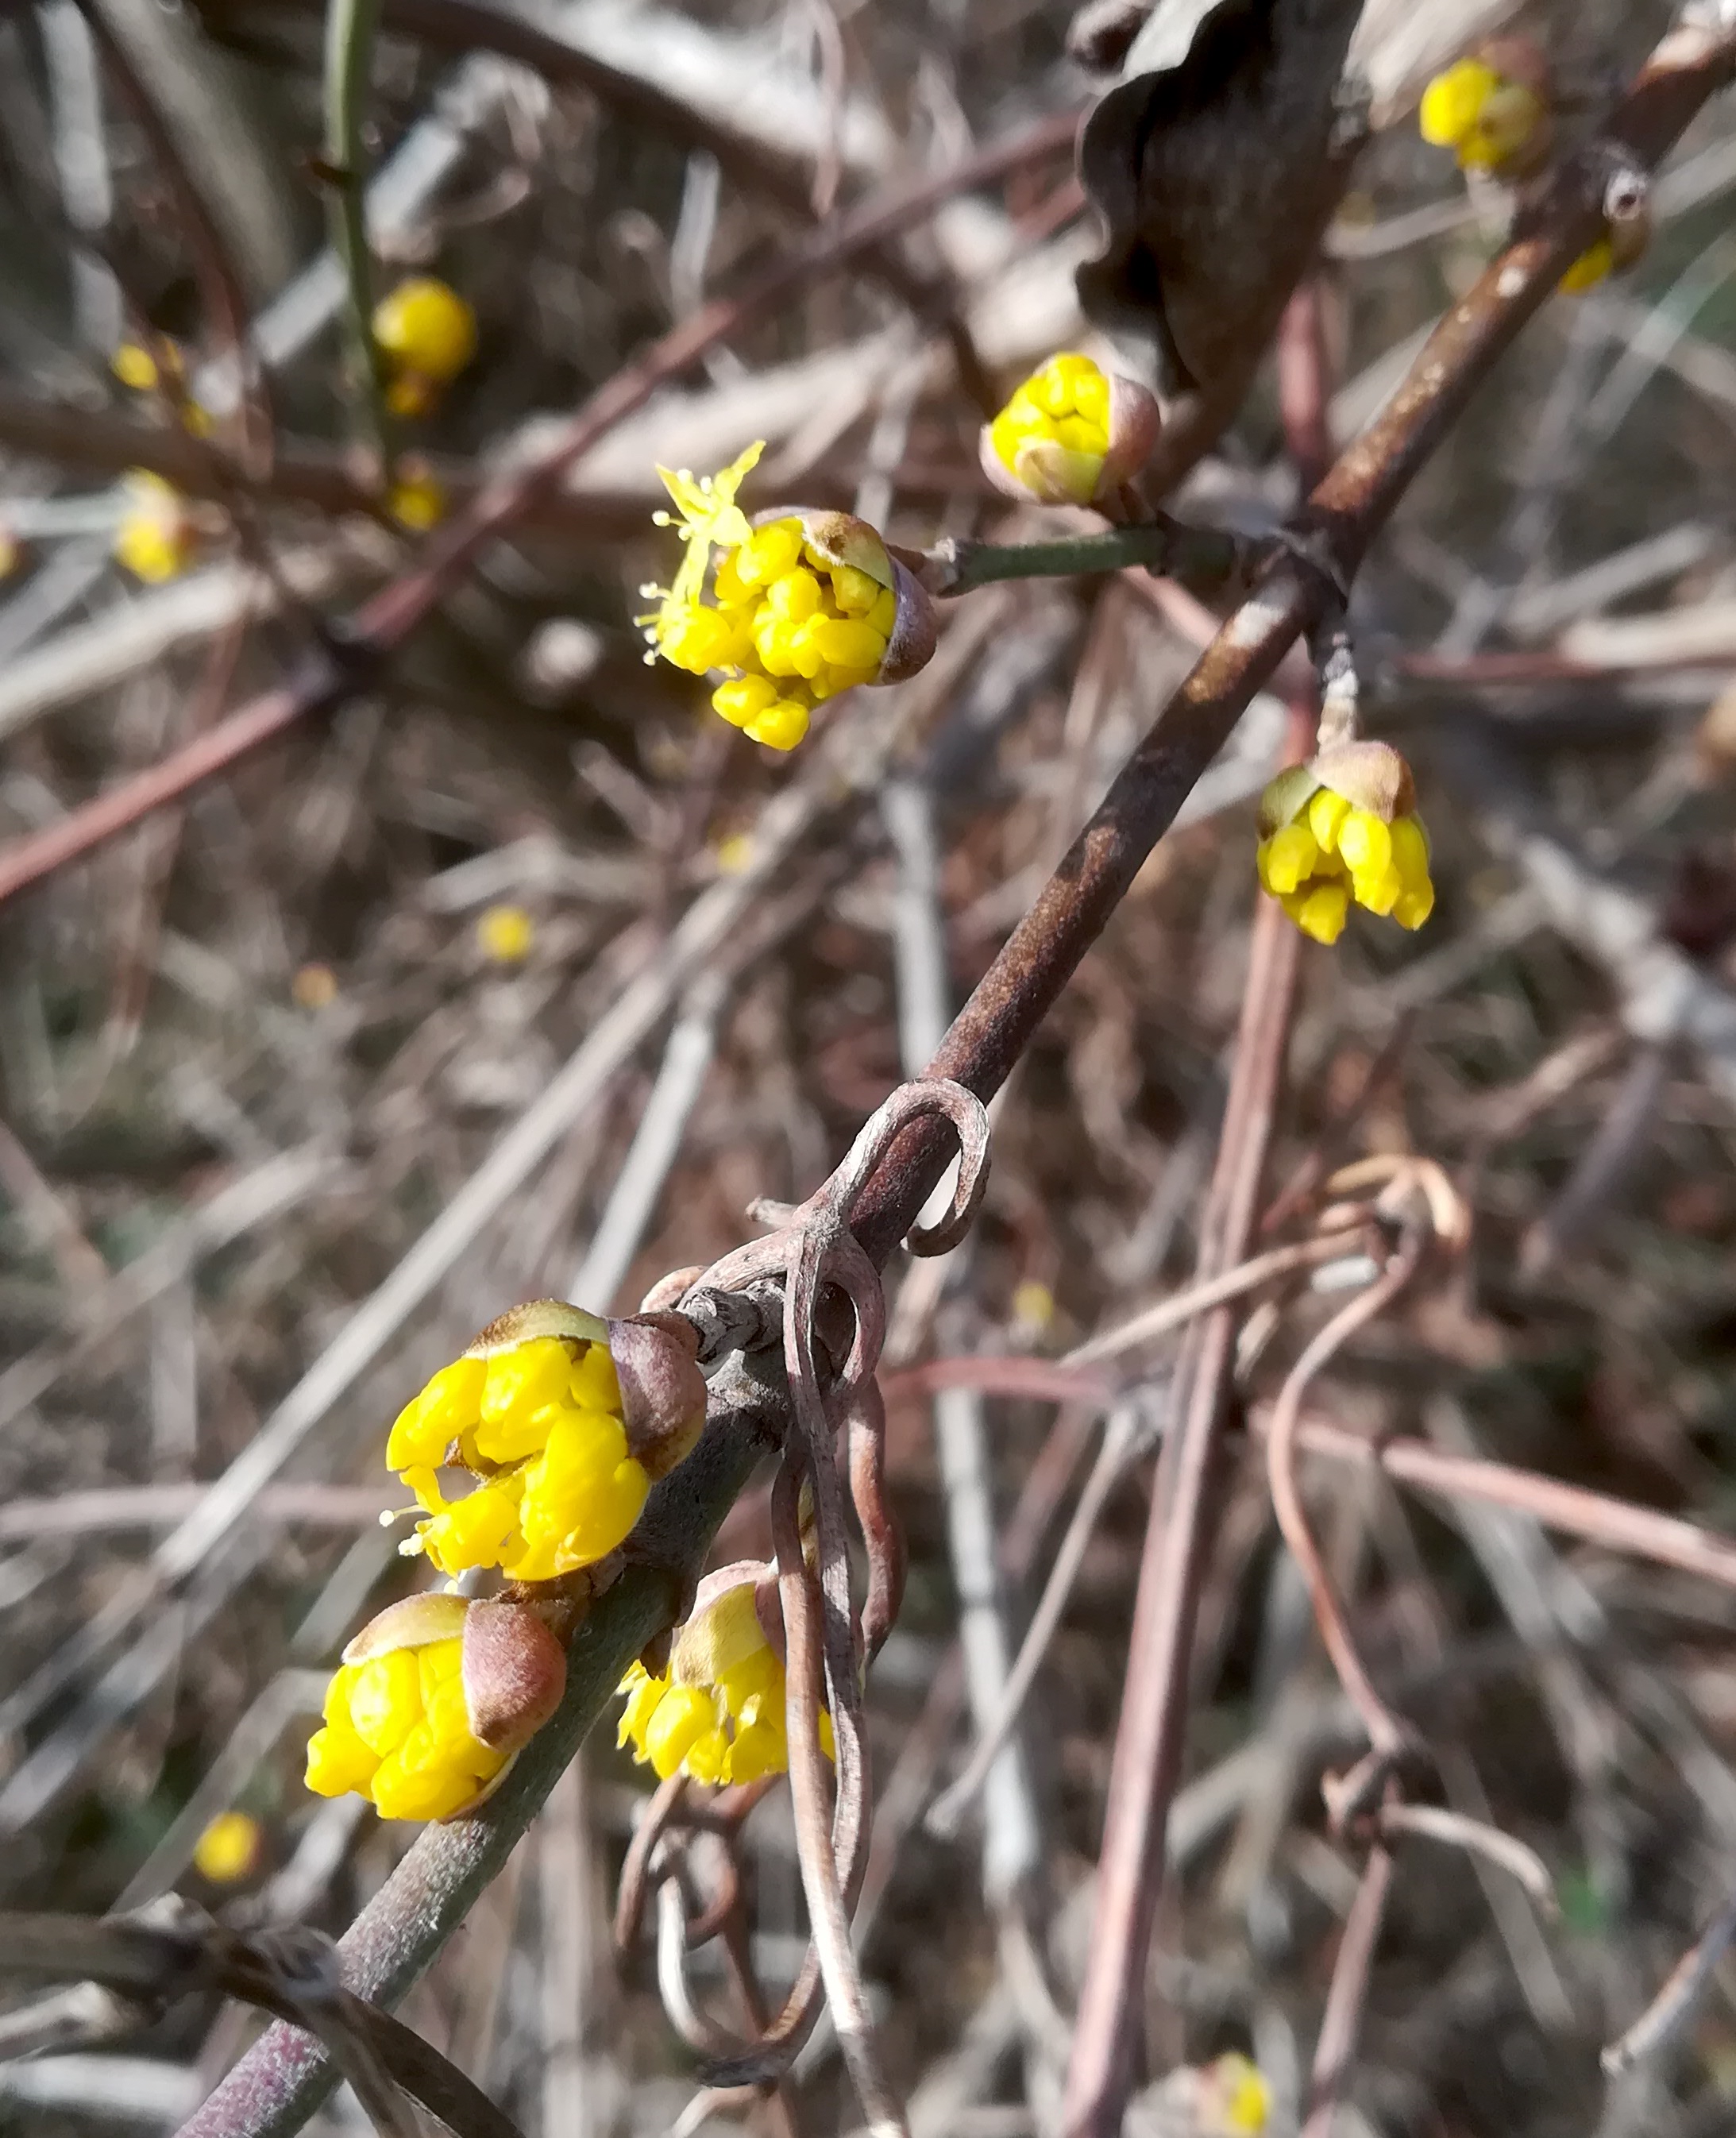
(717, 1716)
(1333, 852)
(398, 1732)
(427, 334)
(541, 1422)
(436, 1697)
(156, 537)
(1053, 436)
(794, 620)
(1491, 121)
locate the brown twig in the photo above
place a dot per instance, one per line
(825, 1873)
(1674, 2003)
(1149, 1738)
(1387, 1736)
(1342, 2024)
(158, 1955)
(1452, 1829)
(1613, 1525)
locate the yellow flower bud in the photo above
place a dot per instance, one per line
(1492, 109)
(435, 1698)
(418, 500)
(426, 330)
(504, 935)
(156, 539)
(1070, 434)
(1343, 828)
(717, 1713)
(135, 366)
(803, 606)
(228, 1849)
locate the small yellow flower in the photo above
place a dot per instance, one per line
(1493, 119)
(228, 1848)
(1069, 434)
(417, 499)
(314, 986)
(805, 607)
(434, 1697)
(427, 334)
(1033, 1304)
(1242, 2100)
(156, 539)
(718, 1715)
(565, 1456)
(504, 935)
(135, 367)
(1342, 829)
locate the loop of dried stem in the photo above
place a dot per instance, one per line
(1389, 1738)
(157, 1955)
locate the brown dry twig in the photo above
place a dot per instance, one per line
(173, 1950)
(1433, 1213)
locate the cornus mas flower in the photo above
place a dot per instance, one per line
(1492, 109)
(417, 499)
(135, 367)
(427, 334)
(1343, 827)
(229, 1848)
(435, 1698)
(156, 537)
(718, 1713)
(567, 1421)
(1070, 434)
(804, 605)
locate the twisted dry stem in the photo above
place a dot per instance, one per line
(812, 1247)
(157, 1955)
(1342, 2021)
(1389, 1739)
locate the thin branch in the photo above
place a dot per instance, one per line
(1387, 1736)
(1677, 2001)
(1122, 1444)
(349, 33)
(824, 1881)
(1166, 547)
(1612, 1524)
(1174, 1312)
(1452, 1829)
(1342, 2022)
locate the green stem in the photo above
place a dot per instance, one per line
(1165, 546)
(349, 33)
